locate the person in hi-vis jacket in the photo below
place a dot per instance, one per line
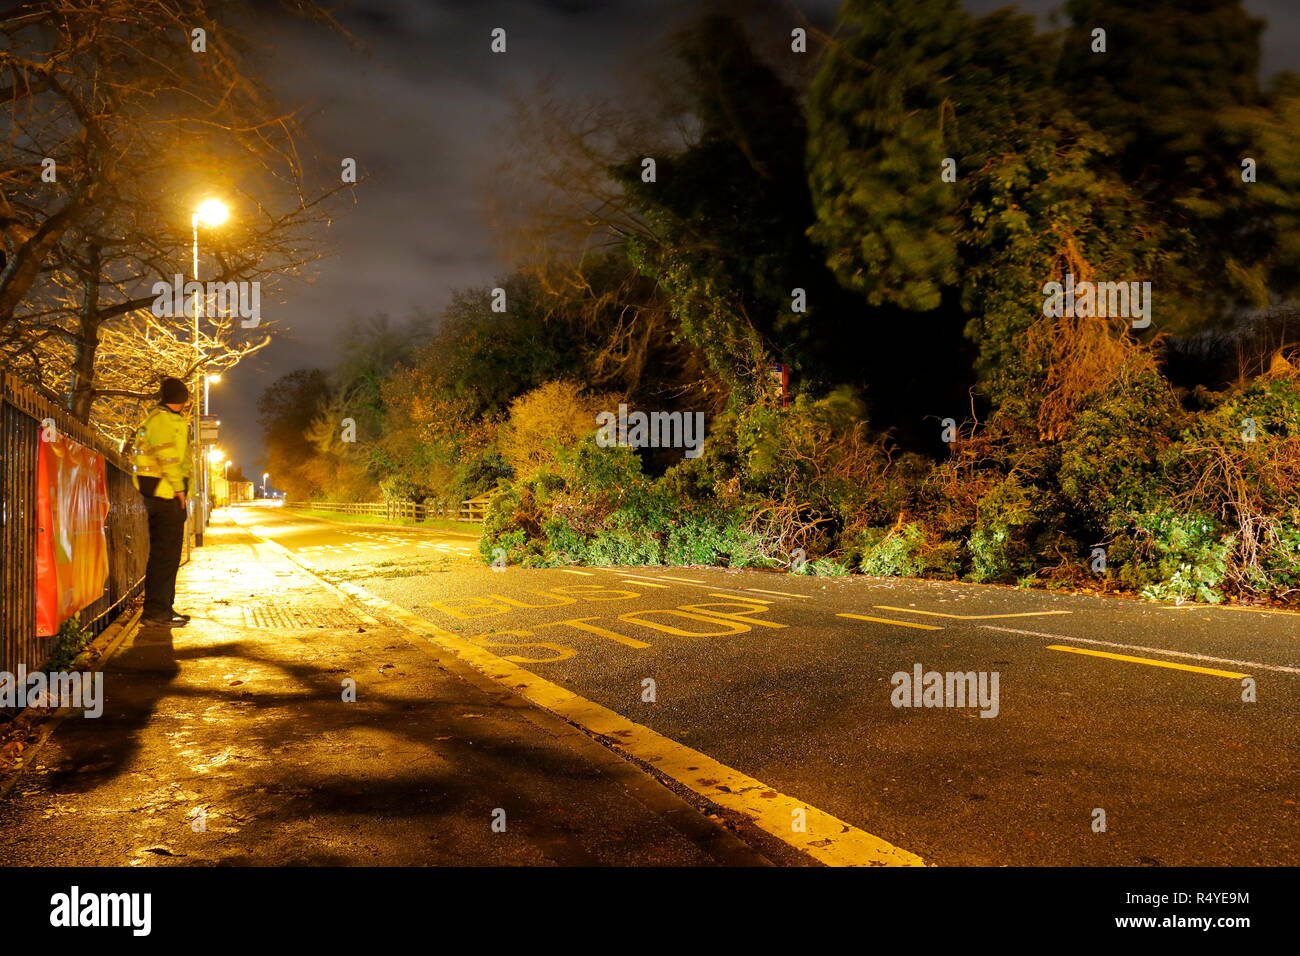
(160, 466)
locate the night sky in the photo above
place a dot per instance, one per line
(421, 103)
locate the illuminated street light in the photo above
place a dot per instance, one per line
(211, 213)
(208, 380)
(216, 456)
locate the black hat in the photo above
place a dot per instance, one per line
(173, 392)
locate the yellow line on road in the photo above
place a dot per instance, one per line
(885, 620)
(745, 597)
(822, 836)
(585, 574)
(1226, 607)
(1253, 665)
(1146, 660)
(825, 838)
(742, 592)
(669, 577)
(968, 617)
(782, 593)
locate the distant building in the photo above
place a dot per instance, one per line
(226, 492)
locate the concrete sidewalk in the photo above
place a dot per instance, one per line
(229, 742)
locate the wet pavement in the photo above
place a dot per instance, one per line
(230, 742)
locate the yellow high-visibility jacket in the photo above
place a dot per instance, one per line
(160, 453)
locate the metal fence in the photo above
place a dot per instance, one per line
(22, 412)
(472, 509)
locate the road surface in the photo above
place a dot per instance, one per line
(1123, 733)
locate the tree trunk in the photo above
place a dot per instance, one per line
(83, 370)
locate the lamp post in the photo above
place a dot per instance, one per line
(210, 213)
(208, 380)
(265, 475)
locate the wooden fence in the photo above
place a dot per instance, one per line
(472, 509)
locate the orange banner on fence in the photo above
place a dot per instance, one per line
(71, 550)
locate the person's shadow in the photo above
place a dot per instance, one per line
(93, 750)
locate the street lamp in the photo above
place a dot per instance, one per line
(209, 380)
(211, 213)
(265, 475)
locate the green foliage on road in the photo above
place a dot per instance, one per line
(942, 422)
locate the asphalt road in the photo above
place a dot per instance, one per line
(1107, 711)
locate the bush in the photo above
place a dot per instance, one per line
(401, 488)
(545, 421)
(906, 551)
(70, 640)
(1185, 508)
(1004, 544)
(1249, 480)
(1114, 459)
(1176, 556)
(596, 507)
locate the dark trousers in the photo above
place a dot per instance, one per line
(166, 540)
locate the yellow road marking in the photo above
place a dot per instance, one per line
(968, 617)
(1254, 665)
(563, 651)
(884, 620)
(669, 577)
(706, 587)
(782, 593)
(1146, 660)
(747, 598)
(634, 617)
(1225, 607)
(748, 607)
(585, 574)
(825, 838)
(580, 624)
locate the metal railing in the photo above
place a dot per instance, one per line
(22, 412)
(472, 509)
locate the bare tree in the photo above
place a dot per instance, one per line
(122, 115)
